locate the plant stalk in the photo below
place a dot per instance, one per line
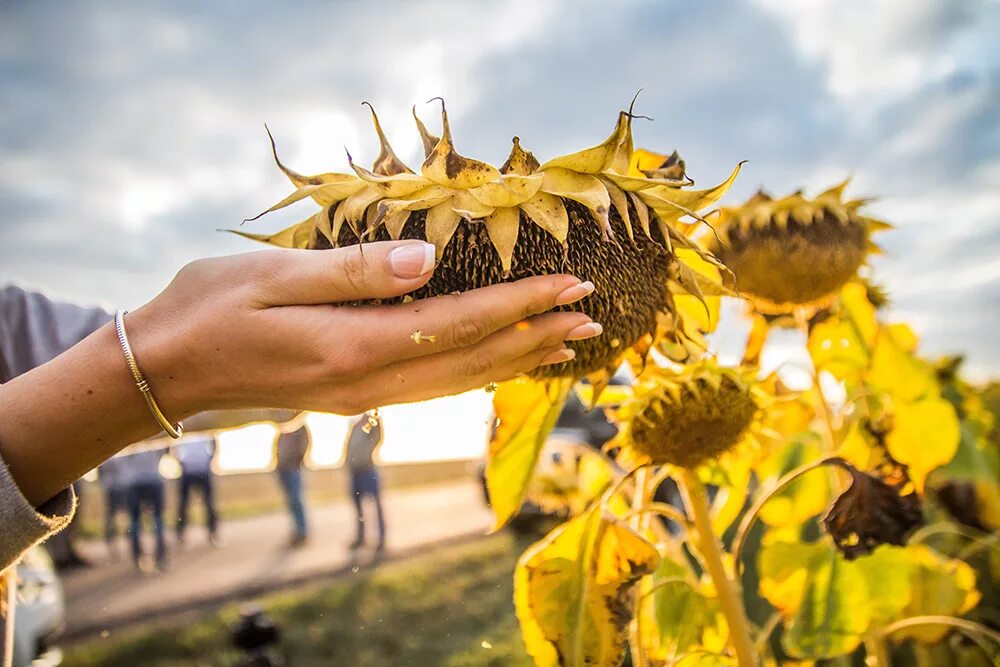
(728, 589)
(638, 504)
(876, 652)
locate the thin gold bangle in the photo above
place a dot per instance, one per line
(173, 430)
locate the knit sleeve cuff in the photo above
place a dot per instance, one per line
(22, 526)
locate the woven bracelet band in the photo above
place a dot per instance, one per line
(173, 430)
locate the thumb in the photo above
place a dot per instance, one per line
(365, 271)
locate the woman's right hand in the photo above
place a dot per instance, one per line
(264, 329)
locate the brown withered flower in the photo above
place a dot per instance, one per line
(880, 507)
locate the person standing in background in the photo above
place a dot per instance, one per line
(195, 456)
(112, 476)
(363, 439)
(146, 492)
(292, 447)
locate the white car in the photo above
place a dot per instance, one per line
(41, 611)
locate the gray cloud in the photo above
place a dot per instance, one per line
(124, 148)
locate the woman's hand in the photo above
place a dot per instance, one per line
(265, 329)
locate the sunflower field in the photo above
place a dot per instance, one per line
(734, 519)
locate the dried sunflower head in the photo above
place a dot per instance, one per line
(606, 214)
(794, 251)
(689, 416)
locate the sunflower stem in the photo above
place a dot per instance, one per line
(876, 652)
(638, 518)
(750, 518)
(727, 588)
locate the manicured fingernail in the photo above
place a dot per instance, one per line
(574, 293)
(584, 331)
(412, 260)
(558, 357)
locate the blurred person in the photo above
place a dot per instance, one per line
(112, 476)
(146, 491)
(195, 456)
(292, 446)
(245, 331)
(363, 439)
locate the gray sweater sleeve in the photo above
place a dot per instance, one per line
(21, 525)
(34, 330)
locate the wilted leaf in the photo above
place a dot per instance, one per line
(871, 512)
(572, 591)
(526, 412)
(817, 592)
(886, 574)
(939, 586)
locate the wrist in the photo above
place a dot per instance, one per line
(163, 352)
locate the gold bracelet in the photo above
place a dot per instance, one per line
(173, 430)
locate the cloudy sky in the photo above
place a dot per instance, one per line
(131, 131)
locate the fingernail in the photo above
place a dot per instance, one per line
(584, 331)
(412, 260)
(574, 293)
(558, 357)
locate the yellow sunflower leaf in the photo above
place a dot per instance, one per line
(835, 347)
(572, 591)
(446, 167)
(519, 161)
(817, 593)
(924, 436)
(526, 411)
(939, 586)
(896, 370)
(596, 159)
(502, 225)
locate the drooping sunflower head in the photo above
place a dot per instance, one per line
(688, 416)
(794, 251)
(598, 214)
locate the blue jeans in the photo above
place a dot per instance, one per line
(115, 501)
(365, 482)
(203, 483)
(291, 482)
(147, 495)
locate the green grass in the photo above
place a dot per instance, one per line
(435, 609)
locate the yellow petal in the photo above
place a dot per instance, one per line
(620, 203)
(418, 201)
(356, 205)
(446, 167)
(297, 179)
(596, 159)
(398, 185)
(643, 160)
(508, 190)
(672, 203)
(469, 207)
(394, 223)
(440, 225)
(296, 236)
(386, 164)
(641, 212)
(582, 188)
(519, 161)
(325, 194)
(502, 225)
(428, 139)
(547, 211)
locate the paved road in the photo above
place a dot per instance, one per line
(254, 557)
